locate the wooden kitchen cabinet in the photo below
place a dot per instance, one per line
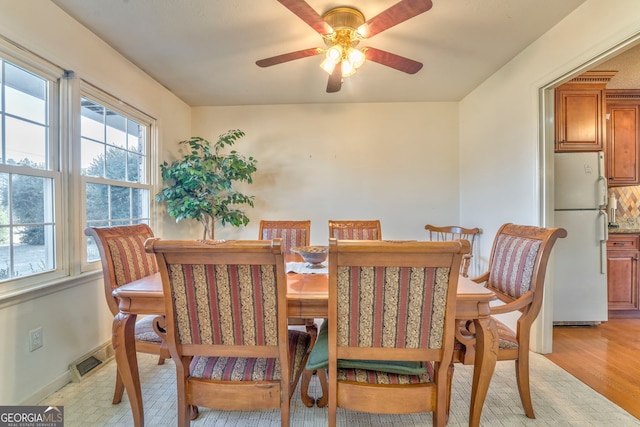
(579, 112)
(623, 142)
(623, 152)
(579, 119)
(623, 254)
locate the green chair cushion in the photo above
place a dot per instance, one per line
(319, 359)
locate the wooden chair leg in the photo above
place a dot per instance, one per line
(324, 385)
(307, 400)
(119, 391)
(449, 384)
(522, 378)
(193, 412)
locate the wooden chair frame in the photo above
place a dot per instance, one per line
(394, 398)
(102, 236)
(528, 304)
(277, 227)
(454, 232)
(228, 394)
(335, 226)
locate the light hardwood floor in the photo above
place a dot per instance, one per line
(605, 357)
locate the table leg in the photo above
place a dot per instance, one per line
(485, 363)
(124, 345)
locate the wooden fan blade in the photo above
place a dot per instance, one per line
(305, 12)
(392, 60)
(399, 12)
(335, 79)
(274, 60)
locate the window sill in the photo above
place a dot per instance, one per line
(27, 293)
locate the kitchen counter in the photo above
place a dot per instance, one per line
(623, 230)
(626, 226)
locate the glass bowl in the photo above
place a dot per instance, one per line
(313, 255)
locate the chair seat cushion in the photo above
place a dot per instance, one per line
(506, 338)
(252, 369)
(381, 377)
(319, 359)
(145, 332)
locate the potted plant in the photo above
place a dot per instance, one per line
(200, 184)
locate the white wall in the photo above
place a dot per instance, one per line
(75, 319)
(393, 162)
(500, 127)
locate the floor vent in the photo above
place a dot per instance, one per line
(91, 362)
(87, 365)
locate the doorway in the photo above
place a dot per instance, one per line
(543, 332)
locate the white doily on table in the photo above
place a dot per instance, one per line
(303, 268)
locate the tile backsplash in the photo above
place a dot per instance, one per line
(628, 201)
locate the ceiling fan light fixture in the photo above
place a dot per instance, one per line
(328, 65)
(334, 53)
(356, 57)
(347, 68)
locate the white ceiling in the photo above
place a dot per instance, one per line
(204, 51)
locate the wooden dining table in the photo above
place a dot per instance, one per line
(307, 297)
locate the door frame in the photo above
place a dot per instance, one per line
(542, 331)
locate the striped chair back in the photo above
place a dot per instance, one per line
(222, 293)
(130, 262)
(392, 306)
(355, 230)
(292, 233)
(513, 264)
(223, 304)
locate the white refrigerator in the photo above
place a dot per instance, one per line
(580, 296)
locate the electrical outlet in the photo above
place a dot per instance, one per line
(35, 338)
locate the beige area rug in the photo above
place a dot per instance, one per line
(559, 399)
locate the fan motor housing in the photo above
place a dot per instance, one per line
(344, 18)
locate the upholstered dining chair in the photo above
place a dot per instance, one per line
(124, 260)
(226, 311)
(454, 232)
(292, 233)
(391, 326)
(355, 230)
(516, 274)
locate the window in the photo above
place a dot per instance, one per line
(71, 156)
(28, 172)
(114, 164)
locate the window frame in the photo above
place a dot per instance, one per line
(91, 92)
(32, 63)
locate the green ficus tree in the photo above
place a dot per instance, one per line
(200, 185)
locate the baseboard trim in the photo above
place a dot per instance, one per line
(47, 390)
(103, 353)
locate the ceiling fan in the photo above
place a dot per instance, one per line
(342, 29)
